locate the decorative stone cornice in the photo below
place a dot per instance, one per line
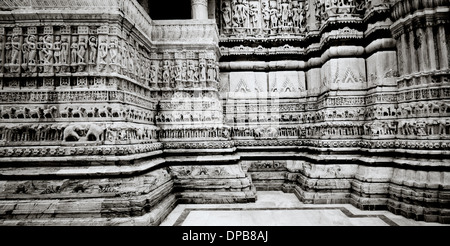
(172, 32)
(59, 10)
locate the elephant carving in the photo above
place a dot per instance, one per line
(95, 133)
(71, 133)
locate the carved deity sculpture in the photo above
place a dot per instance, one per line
(226, 14)
(32, 48)
(166, 71)
(64, 50)
(57, 49)
(266, 15)
(8, 50)
(296, 14)
(82, 46)
(25, 53)
(177, 70)
(284, 12)
(74, 50)
(191, 71)
(253, 14)
(304, 14)
(92, 49)
(273, 18)
(103, 51)
(16, 47)
(184, 71)
(153, 71)
(202, 68)
(240, 13)
(48, 50)
(211, 70)
(40, 50)
(113, 50)
(319, 10)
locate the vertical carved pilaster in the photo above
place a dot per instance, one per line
(405, 56)
(422, 50)
(413, 53)
(431, 48)
(442, 46)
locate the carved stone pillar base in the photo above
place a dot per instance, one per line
(199, 9)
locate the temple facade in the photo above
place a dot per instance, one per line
(110, 116)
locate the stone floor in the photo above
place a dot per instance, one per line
(275, 208)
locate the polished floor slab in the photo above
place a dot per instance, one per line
(275, 208)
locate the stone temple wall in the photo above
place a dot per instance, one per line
(108, 117)
(341, 101)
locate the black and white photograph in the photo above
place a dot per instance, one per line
(239, 115)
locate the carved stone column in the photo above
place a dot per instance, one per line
(199, 9)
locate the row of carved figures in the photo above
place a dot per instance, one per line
(280, 16)
(169, 73)
(64, 53)
(95, 132)
(408, 110)
(431, 127)
(268, 16)
(74, 132)
(33, 53)
(53, 112)
(188, 116)
(323, 9)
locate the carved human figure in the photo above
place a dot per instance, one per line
(296, 16)
(211, 70)
(82, 46)
(191, 71)
(113, 50)
(74, 50)
(57, 49)
(40, 50)
(304, 14)
(31, 41)
(48, 50)
(184, 71)
(177, 70)
(265, 15)
(103, 51)
(319, 9)
(202, 70)
(226, 14)
(92, 49)
(25, 51)
(153, 71)
(284, 12)
(166, 71)
(8, 50)
(64, 50)
(273, 18)
(16, 47)
(240, 13)
(253, 14)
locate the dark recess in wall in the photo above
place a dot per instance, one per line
(167, 9)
